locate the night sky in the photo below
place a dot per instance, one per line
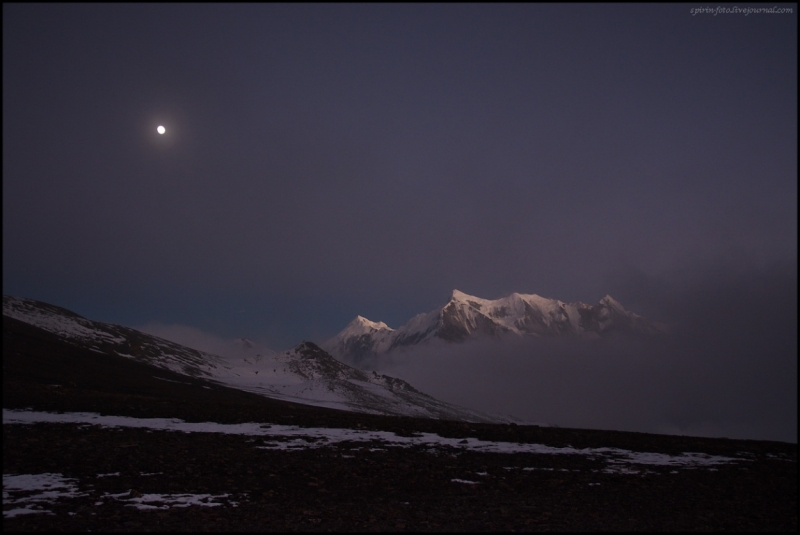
(327, 161)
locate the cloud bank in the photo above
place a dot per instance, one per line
(194, 338)
(729, 369)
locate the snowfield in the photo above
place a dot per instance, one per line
(288, 437)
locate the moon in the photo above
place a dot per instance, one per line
(161, 130)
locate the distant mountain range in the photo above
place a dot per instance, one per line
(323, 376)
(305, 374)
(466, 317)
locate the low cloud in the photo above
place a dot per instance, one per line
(191, 337)
(728, 369)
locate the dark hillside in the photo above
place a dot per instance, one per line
(349, 486)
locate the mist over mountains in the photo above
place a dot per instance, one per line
(468, 318)
(725, 367)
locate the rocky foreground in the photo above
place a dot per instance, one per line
(301, 471)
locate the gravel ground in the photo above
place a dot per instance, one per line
(224, 482)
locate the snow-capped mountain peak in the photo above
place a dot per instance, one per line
(612, 303)
(458, 295)
(362, 338)
(466, 317)
(362, 323)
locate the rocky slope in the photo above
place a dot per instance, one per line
(305, 374)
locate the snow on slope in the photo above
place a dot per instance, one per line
(110, 338)
(305, 374)
(297, 438)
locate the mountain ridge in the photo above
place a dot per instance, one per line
(466, 317)
(305, 374)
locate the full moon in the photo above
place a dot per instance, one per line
(161, 129)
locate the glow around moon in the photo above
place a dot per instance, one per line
(161, 129)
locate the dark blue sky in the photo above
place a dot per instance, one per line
(326, 161)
